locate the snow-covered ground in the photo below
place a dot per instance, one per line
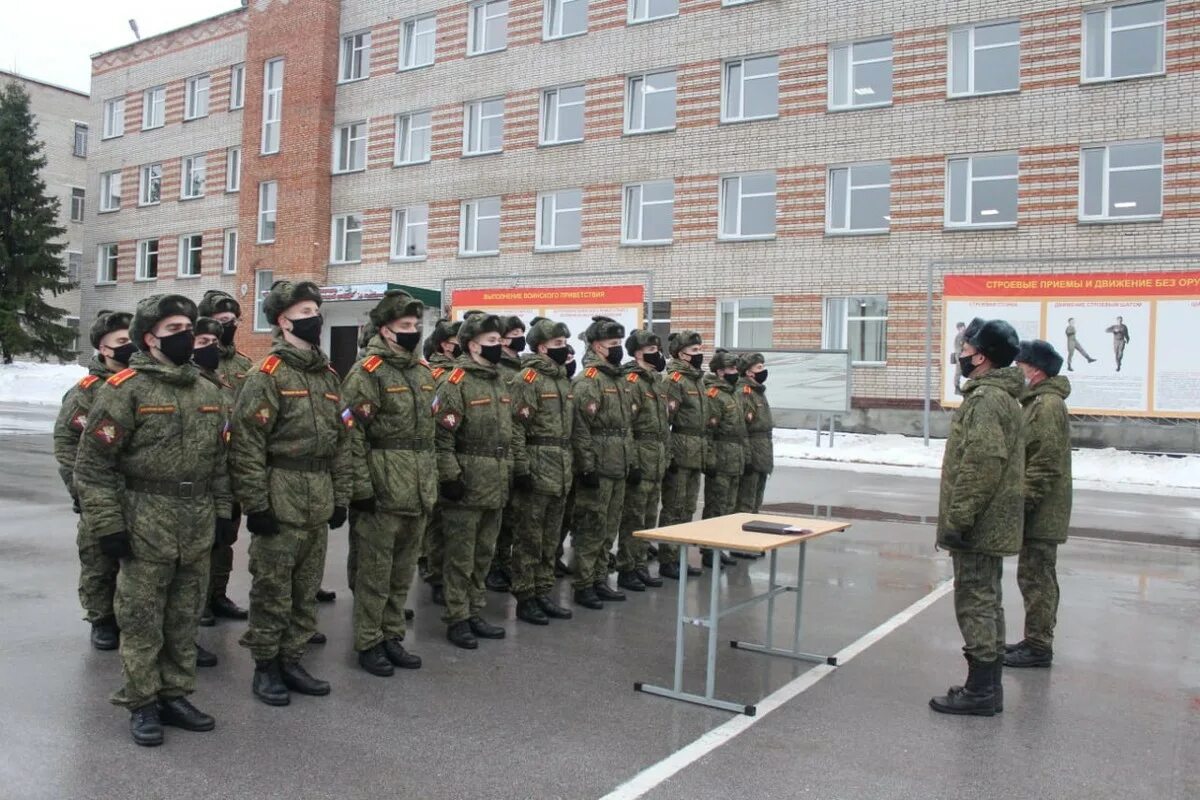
(41, 384)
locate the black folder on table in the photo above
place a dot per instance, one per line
(776, 528)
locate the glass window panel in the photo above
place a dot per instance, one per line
(868, 207)
(1137, 14)
(997, 69)
(958, 189)
(865, 51)
(658, 222)
(1093, 182)
(839, 76)
(1137, 52)
(869, 174)
(873, 83)
(733, 90)
(960, 64)
(1135, 193)
(993, 166)
(730, 206)
(1002, 33)
(994, 202)
(1096, 44)
(1137, 154)
(838, 197)
(758, 215)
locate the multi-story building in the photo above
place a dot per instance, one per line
(787, 170)
(62, 116)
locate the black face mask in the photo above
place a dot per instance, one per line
(409, 340)
(207, 357)
(517, 344)
(491, 353)
(657, 361)
(696, 360)
(122, 354)
(558, 355)
(178, 347)
(761, 377)
(228, 331)
(731, 379)
(614, 355)
(965, 366)
(570, 367)
(308, 329)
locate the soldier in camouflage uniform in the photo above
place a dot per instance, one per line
(441, 349)
(390, 392)
(290, 462)
(475, 453)
(1047, 499)
(545, 417)
(651, 436)
(366, 333)
(760, 456)
(499, 577)
(727, 443)
(689, 442)
(97, 572)
(152, 478)
(981, 508)
(604, 465)
(561, 570)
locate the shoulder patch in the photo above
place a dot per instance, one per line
(122, 376)
(530, 375)
(632, 377)
(87, 380)
(457, 375)
(438, 372)
(590, 372)
(371, 364)
(270, 364)
(676, 377)
(746, 389)
(712, 392)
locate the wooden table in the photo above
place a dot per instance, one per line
(725, 533)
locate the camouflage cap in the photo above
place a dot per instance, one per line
(512, 323)
(285, 294)
(478, 324)
(107, 322)
(155, 308)
(208, 325)
(747, 360)
(642, 338)
(722, 359)
(216, 301)
(394, 304)
(603, 328)
(681, 339)
(542, 330)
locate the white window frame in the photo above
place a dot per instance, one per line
(354, 57)
(402, 226)
(741, 116)
(549, 17)
(972, 49)
(465, 213)
(74, 265)
(196, 91)
(479, 13)
(737, 319)
(272, 121)
(631, 90)
(346, 143)
(721, 210)
(970, 190)
(340, 231)
(1108, 77)
(193, 168)
(190, 244)
(554, 96)
(848, 104)
(846, 230)
(229, 245)
(233, 169)
(404, 138)
(549, 203)
(1106, 148)
(842, 341)
(628, 208)
(78, 203)
(107, 179)
(268, 209)
(474, 127)
(143, 259)
(263, 278)
(79, 143)
(146, 179)
(114, 118)
(237, 87)
(154, 107)
(633, 17)
(408, 42)
(108, 253)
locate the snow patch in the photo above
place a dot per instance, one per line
(39, 384)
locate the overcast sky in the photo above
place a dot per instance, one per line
(53, 40)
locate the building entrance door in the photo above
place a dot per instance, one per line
(343, 347)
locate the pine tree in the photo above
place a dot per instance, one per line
(31, 266)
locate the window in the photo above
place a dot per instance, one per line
(559, 219)
(745, 323)
(487, 29)
(418, 42)
(110, 190)
(106, 263)
(154, 107)
(860, 74)
(233, 169)
(346, 246)
(77, 196)
(413, 137)
(1121, 182)
(649, 213)
(268, 196)
(356, 57)
(480, 227)
(410, 232)
(483, 127)
(73, 324)
(195, 97)
(747, 206)
(229, 253)
(193, 176)
(74, 262)
(1124, 41)
(191, 246)
(272, 105)
(985, 59)
(562, 115)
(660, 318)
(114, 118)
(650, 103)
(860, 198)
(981, 191)
(857, 324)
(565, 18)
(751, 89)
(263, 279)
(646, 10)
(79, 143)
(147, 259)
(237, 86)
(150, 191)
(350, 147)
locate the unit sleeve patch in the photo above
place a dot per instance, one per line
(108, 431)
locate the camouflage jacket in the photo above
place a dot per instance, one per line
(760, 451)
(545, 418)
(509, 367)
(475, 439)
(154, 422)
(73, 418)
(685, 407)
(602, 440)
(1047, 460)
(391, 394)
(290, 411)
(651, 422)
(727, 424)
(234, 367)
(440, 365)
(984, 466)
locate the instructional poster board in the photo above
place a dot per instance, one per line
(574, 305)
(809, 380)
(1128, 340)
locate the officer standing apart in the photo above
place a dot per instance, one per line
(152, 478)
(290, 462)
(97, 571)
(390, 393)
(499, 577)
(751, 393)
(981, 508)
(726, 460)
(473, 412)
(1047, 499)
(685, 405)
(441, 348)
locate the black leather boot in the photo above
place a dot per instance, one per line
(409, 614)
(628, 579)
(607, 593)
(395, 652)
(529, 611)
(145, 725)
(439, 594)
(205, 658)
(268, 683)
(998, 686)
(326, 596)
(484, 629)
(552, 609)
(647, 579)
(180, 713)
(497, 581)
(376, 662)
(459, 633)
(1028, 656)
(587, 598)
(976, 698)
(223, 607)
(1012, 648)
(296, 678)
(318, 638)
(207, 620)
(105, 635)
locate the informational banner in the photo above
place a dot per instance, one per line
(574, 305)
(1128, 340)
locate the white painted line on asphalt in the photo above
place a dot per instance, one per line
(656, 774)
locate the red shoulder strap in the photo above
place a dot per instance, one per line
(372, 363)
(122, 376)
(87, 380)
(270, 364)
(457, 376)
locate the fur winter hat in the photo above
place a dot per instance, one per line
(640, 339)
(1041, 354)
(747, 360)
(681, 339)
(512, 323)
(996, 339)
(216, 302)
(285, 294)
(443, 331)
(208, 325)
(394, 304)
(722, 359)
(603, 328)
(542, 330)
(107, 322)
(478, 324)
(153, 310)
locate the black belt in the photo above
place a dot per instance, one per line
(300, 464)
(481, 450)
(168, 488)
(548, 441)
(610, 432)
(734, 439)
(687, 431)
(650, 437)
(760, 434)
(403, 444)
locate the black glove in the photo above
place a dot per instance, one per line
(365, 504)
(672, 467)
(116, 545)
(748, 470)
(226, 533)
(262, 523)
(634, 477)
(338, 518)
(75, 505)
(454, 490)
(952, 540)
(523, 482)
(589, 480)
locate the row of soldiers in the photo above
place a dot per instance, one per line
(174, 436)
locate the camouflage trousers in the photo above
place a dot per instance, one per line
(352, 547)
(720, 494)
(506, 539)
(1038, 579)
(594, 529)
(639, 514)
(221, 566)
(469, 544)
(286, 571)
(433, 548)
(750, 492)
(158, 611)
(568, 516)
(386, 547)
(978, 604)
(680, 493)
(97, 578)
(537, 527)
